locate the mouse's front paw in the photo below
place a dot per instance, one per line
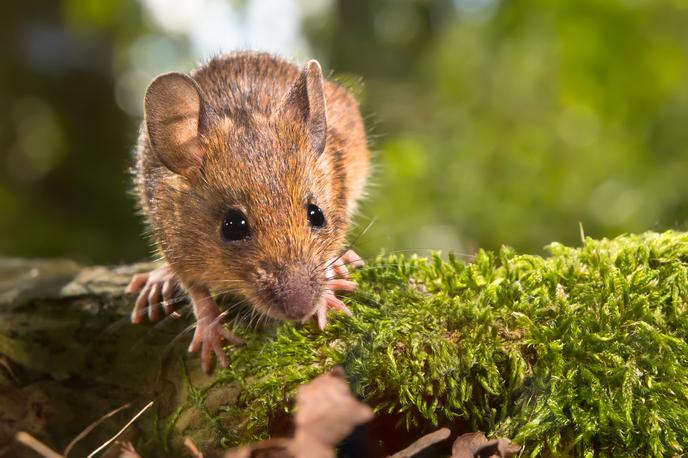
(208, 338)
(337, 267)
(155, 289)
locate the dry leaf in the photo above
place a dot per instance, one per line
(128, 451)
(191, 447)
(423, 443)
(476, 445)
(271, 448)
(326, 412)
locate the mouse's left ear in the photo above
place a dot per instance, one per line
(305, 102)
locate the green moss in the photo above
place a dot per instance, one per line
(581, 353)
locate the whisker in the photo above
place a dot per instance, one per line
(174, 315)
(256, 315)
(265, 317)
(388, 265)
(364, 231)
(259, 319)
(430, 250)
(363, 299)
(350, 245)
(186, 310)
(193, 325)
(247, 319)
(179, 335)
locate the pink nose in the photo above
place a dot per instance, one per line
(296, 303)
(295, 294)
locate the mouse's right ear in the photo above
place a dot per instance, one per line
(173, 116)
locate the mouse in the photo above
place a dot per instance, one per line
(247, 171)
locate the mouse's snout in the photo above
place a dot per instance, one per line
(289, 293)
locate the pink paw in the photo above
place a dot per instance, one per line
(208, 338)
(339, 266)
(156, 289)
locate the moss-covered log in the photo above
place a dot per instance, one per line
(582, 352)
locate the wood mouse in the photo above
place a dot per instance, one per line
(248, 171)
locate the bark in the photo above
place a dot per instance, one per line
(69, 355)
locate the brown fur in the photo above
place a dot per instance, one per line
(260, 161)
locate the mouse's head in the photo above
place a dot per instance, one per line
(253, 200)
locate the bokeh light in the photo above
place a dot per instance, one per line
(491, 121)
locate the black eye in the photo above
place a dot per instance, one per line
(235, 226)
(315, 216)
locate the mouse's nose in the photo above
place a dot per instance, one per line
(296, 303)
(295, 293)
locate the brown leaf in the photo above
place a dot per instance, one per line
(423, 443)
(128, 451)
(465, 444)
(271, 448)
(476, 445)
(326, 412)
(191, 448)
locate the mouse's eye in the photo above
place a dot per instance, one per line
(315, 216)
(235, 226)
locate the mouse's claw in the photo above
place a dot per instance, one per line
(155, 289)
(338, 267)
(321, 315)
(330, 301)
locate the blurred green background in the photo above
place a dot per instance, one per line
(492, 121)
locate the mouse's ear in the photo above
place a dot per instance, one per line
(305, 102)
(173, 109)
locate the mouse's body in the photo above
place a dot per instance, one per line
(248, 171)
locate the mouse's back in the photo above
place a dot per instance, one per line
(245, 82)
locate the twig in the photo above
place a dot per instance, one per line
(119, 433)
(91, 427)
(36, 445)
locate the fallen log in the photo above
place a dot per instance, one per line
(580, 352)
